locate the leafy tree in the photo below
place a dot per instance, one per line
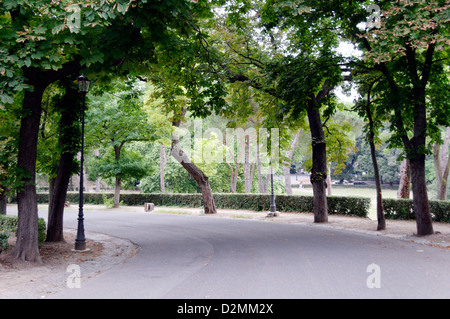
(40, 47)
(115, 119)
(125, 172)
(408, 52)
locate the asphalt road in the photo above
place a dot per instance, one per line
(202, 257)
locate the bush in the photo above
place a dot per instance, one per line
(403, 209)
(351, 206)
(4, 240)
(8, 224)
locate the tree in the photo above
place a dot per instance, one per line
(60, 161)
(125, 171)
(368, 111)
(44, 42)
(406, 49)
(115, 119)
(252, 56)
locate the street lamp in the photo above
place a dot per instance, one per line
(273, 208)
(80, 240)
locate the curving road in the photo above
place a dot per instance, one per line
(202, 257)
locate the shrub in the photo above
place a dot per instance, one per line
(4, 240)
(404, 209)
(8, 224)
(351, 206)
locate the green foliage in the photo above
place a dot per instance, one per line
(4, 236)
(8, 224)
(60, 127)
(108, 201)
(403, 209)
(131, 167)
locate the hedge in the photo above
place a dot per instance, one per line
(404, 209)
(8, 224)
(351, 206)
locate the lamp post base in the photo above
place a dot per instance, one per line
(80, 246)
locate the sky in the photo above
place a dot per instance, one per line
(348, 50)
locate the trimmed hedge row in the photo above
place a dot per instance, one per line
(8, 224)
(351, 206)
(403, 209)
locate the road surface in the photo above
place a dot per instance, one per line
(182, 256)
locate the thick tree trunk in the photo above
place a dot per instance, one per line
(55, 229)
(404, 188)
(419, 184)
(68, 130)
(26, 247)
(420, 197)
(27, 244)
(319, 169)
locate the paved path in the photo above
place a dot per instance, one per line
(201, 257)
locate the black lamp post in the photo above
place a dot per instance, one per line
(80, 240)
(273, 208)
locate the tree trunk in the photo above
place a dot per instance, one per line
(117, 191)
(55, 229)
(319, 169)
(51, 187)
(417, 160)
(404, 188)
(420, 197)
(261, 187)
(287, 166)
(27, 244)
(248, 177)
(442, 166)
(26, 247)
(3, 202)
(287, 180)
(117, 151)
(380, 209)
(68, 143)
(201, 179)
(329, 183)
(162, 164)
